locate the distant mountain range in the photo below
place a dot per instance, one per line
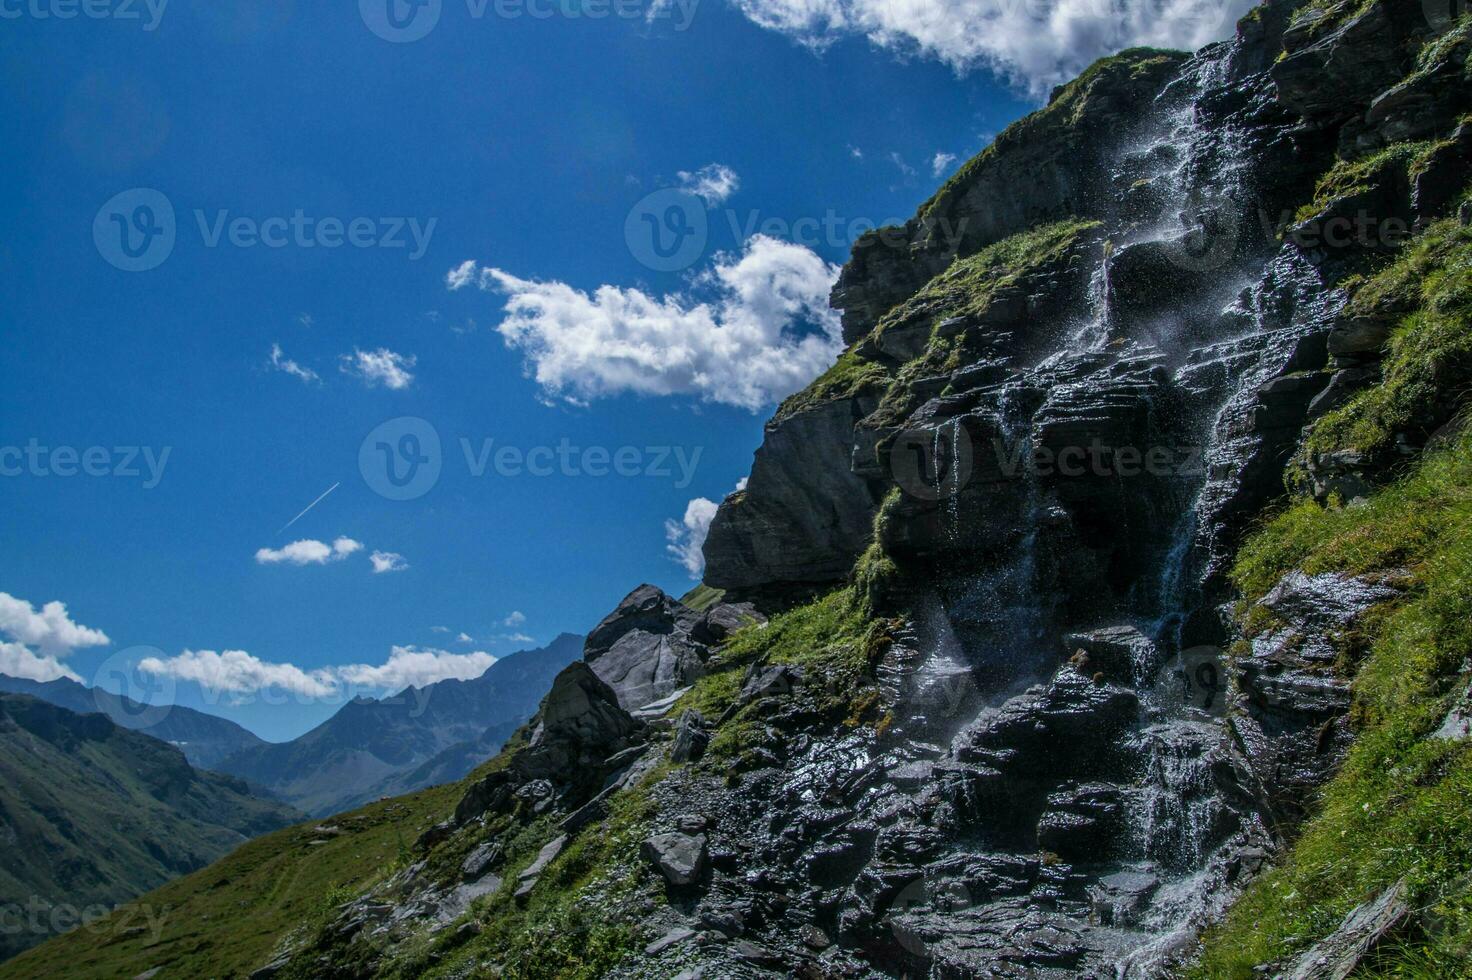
(417, 738)
(204, 739)
(93, 814)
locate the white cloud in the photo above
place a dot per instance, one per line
(415, 667)
(439, 629)
(464, 638)
(460, 276)
(515, 638)
(855, 152)
(713, 182)
(286, 365)
(237, 672)
(1033, 45)
(309, 552)
(50, 629)
(305, 319)
(387, 561)
(766, 332)
(517, 618)
(941, 163)
(380, 367)
(900, 163)
(686, 538)
(19, 660)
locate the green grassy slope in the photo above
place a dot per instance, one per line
(226, 920)
(93, 815)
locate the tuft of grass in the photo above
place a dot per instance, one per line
(702, 597)
(1401, 807)
(1428, 365)
(851, 375)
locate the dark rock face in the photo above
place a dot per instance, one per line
(804, 515)
(579, 726)
(1294, 728)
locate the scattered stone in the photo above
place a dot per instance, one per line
(679, 857)
(480, 860)
(764, 682)
(1118, 899)
(544, 857)
(672, 938)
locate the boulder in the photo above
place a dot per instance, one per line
(679, 857)
(643, 649)
(691, 737)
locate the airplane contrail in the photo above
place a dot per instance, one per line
(311, 505)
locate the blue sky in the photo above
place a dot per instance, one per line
(516, 144)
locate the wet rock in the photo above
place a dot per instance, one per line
(1083, 823)
(1294, 730)
(1120, 898)
(1122, 653)
(644, 649)
(1343, 70)
(679, 857)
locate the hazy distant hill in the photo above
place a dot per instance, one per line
(203, 738)
(92, 814)
(417, 738)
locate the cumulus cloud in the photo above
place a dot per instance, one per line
(941, 163)
(713, 182)
(19, 660)
(764, 332)
(387, 561)
(286, 365)
(415, 667)
(465, 638)
(1035, 44)
(309, 552)
(380, 367)
(238, 672)
(686, 537)
(517, 618)
(50, 629)
(461, 276)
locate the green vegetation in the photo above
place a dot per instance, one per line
(1401, 808)
(1349, 179)
(702, 597)
(576, 922)
(832, 638)
(1067, 107)
(850, 375)
(1428, 369)
(228, 919)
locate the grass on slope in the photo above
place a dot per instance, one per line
(1402, 805)
(226, 920)
(1429, 360)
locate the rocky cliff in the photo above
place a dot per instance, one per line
(1101, 612)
